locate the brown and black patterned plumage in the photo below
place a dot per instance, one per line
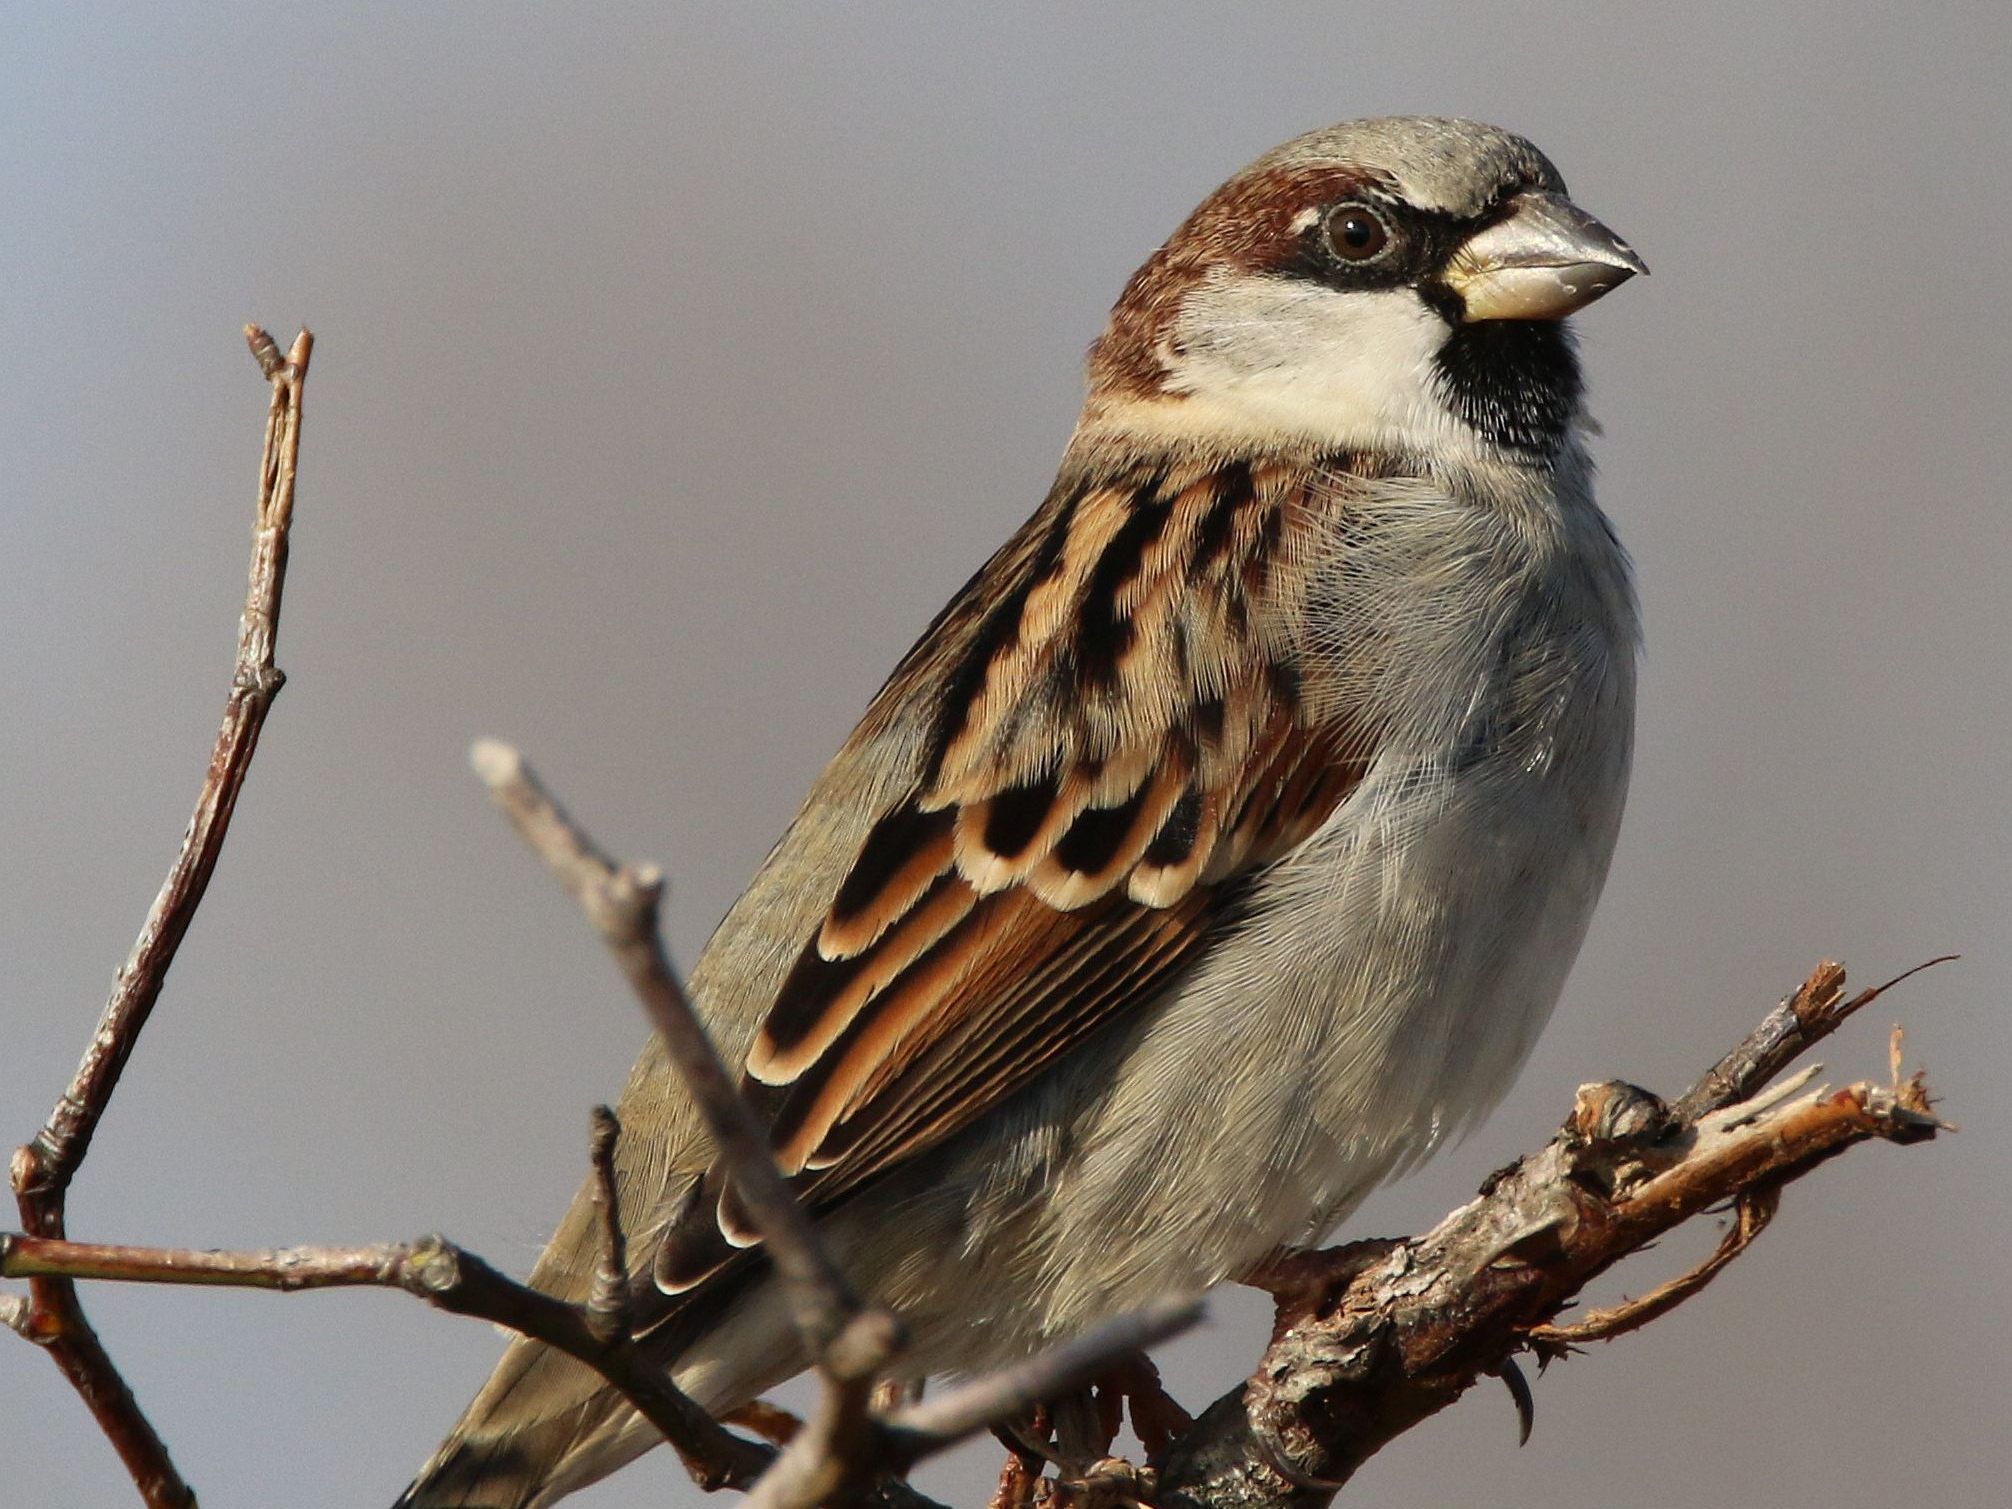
(1217, 851)
(1119, 732)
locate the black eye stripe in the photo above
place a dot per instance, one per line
(1420, 242)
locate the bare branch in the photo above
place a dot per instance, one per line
(1815, 1010)
(929, 1426)
(839, 1447)
(43, 1168)
(845, 1443)
(608, 1305)
(281, 1268)
(1752, 1213)
(623, 902)
(446, 1277)
(59, 1147)
(1404, 1328)
(1372, 1338)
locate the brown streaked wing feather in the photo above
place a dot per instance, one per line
(1017, 1033)
(1119, 738)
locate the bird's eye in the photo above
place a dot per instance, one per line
(1356, 232)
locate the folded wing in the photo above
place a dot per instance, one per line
(1119, 738)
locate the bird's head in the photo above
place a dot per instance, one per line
(1393, 285)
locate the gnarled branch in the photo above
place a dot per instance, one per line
(1376, 1337)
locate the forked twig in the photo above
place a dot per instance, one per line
(42, 1169)
(1751, 1214)
(623, 903)
(1814, 1010)
(1405, 1328)
(446, 1277)
(846, 1442)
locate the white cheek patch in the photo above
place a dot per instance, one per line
(1351, 370)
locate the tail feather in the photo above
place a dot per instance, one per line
(542, 1427)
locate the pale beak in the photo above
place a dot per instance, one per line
(1545, 259)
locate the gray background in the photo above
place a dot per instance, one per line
(675, 367)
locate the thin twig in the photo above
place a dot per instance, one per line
(608, 1305)
(444, 1276)
(965, 1411)
(839, 1448)
(623, 902)
(1752, 1213)
(43, 1168)
(1805, 1018)
(771, 1422)
(59, 1147)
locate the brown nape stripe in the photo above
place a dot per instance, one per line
(1106, 633)
(1015, 815)
(1245, 226)
(894, 841)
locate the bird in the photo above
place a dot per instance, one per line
(1215, 855)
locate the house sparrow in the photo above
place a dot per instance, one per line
(1217, 852)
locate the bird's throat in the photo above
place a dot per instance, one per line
(1515, 382)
